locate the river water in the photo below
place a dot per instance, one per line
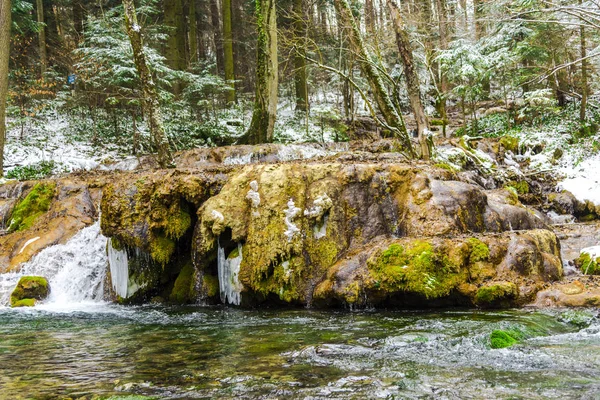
(95, 350)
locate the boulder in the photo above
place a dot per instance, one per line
(29, 290)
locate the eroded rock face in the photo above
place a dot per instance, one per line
(292, 253)
(72, 208)
(482, 270)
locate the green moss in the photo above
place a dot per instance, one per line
(235, 253)
(418, 268)
(23, 303)
(521, 187)
(500, 339)
(479, 251)
(29, 288)
(161, 249)
(177, 224)
(445, 166)
(587, 265)
(496, 294)
(210, 285)
(183, 290)
(31, 207)
(510, 143)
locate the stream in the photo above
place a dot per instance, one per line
(99, 350)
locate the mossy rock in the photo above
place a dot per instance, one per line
(161, 249)
(28, 290)
(479, 251)
(500, 339)
(23, 303)
(183, 290)
(496, 294)
(521, 187)
(510, 143)
(417, 268)
(35, 204)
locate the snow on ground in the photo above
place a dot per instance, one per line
(50, 142)
(578, 166)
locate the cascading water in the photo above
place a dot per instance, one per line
(229, 269)
(75, 270)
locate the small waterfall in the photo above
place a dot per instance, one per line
(75, 270)
(119, 270)
(229, 269)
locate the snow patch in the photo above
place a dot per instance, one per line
(27, 243)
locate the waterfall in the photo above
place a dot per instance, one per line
(229, 269)
(75, 270)
(119, 270)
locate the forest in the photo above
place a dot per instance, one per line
(115, 79)
(299, 199)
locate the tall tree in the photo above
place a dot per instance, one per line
(442, 81)
(369, 69)
(412, 78)
(265, 102)
(228, 61)
(193, 32)
(174, 19)
(584, 73)
(218, 39)
(41, 36)
(150, 94)
(300, 58)
(5, 23)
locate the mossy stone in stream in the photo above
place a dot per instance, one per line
(496, 294)
(183, 290)
(161, 249)
(500, 339)
(31, 207)
(417, 268)
(23, 303)
(522, 187)
(28, 290)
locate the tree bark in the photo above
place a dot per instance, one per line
(5, 23)
(412, 79)
(443, 80)
(193, 32)
(228, 60)
(150, 94)
(584, 77)
(42, 37)
(265, 103)
(79, 16)
(300, 59)
(216, 26)
(176, 40)
(391, 116)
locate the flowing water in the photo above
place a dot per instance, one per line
(196, 353)
(73, 345)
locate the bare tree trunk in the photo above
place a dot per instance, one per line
(443, 80)
(584, 77)
(391, 116)
(299, 59)
(193, 32)
(412, 79)
(5, 23)
(265, 103)
(218, 39)
(42, 36)
(228, 61)
(150, 93)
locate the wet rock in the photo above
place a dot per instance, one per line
(29, 290)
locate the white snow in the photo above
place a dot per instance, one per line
(593, 252)
(290, 213)
(253, 194)
(27, 243)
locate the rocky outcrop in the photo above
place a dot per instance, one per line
(360, 227)
(71, 206)
(304, 227)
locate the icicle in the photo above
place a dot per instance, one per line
(119, 270)
(229, 269)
